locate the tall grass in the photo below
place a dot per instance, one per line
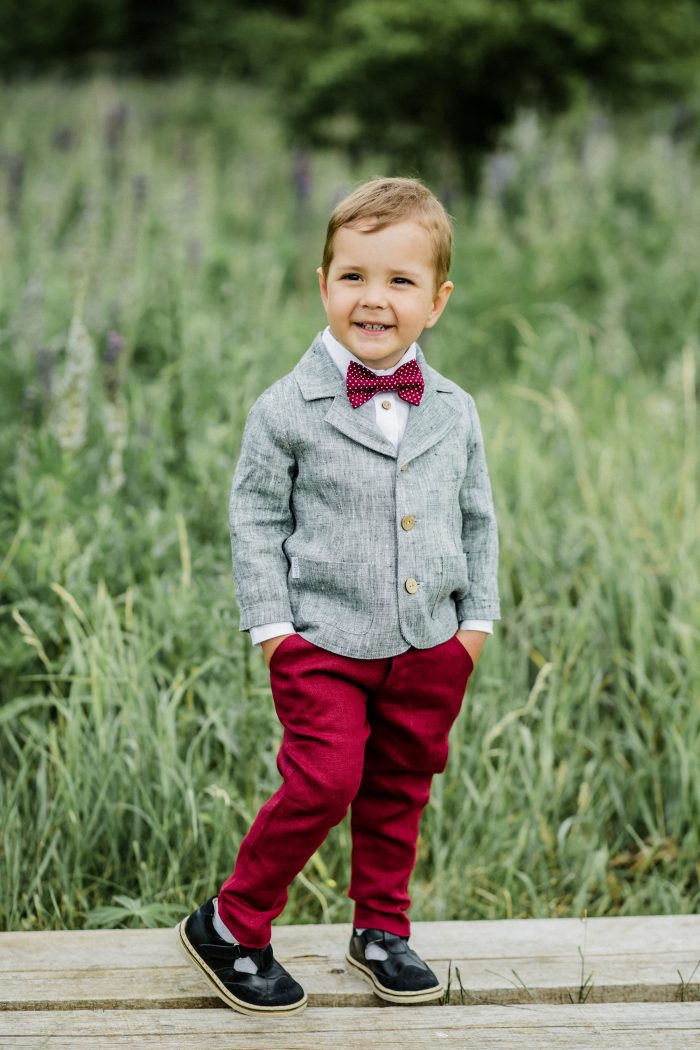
(157, 246)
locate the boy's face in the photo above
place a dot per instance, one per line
(380, 291)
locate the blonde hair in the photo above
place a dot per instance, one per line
(381, 202)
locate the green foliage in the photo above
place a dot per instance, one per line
(34, 33)
(137, 731)
(430, 86)
(424, 80)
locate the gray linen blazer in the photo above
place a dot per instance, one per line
(365, 550)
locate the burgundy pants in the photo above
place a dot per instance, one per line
(368, 734)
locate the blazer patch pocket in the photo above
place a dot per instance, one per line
(454, 581)
(335, 594)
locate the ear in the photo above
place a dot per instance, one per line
(439, 303)
(323, 286)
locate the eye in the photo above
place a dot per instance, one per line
(402, 280)
(350, 277)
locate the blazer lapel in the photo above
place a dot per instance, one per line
(318, 376)
(359, 424)
(429, 421)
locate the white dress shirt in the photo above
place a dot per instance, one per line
(392, 422)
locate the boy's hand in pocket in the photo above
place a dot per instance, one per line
(270, 644)
(473, 642)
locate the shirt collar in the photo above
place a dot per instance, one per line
(342, 356)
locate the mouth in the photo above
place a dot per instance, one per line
(365, 326)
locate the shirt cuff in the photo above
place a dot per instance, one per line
(477, 625)
(269, 630)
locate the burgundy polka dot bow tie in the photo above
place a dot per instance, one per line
(362, 383)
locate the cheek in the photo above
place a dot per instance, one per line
(335, 310)
(415, 314)
(337, 299)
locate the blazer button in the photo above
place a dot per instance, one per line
(404, 466)
(407, 522)
(386, 404)
(411, 585)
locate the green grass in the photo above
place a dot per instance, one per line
(137, 732)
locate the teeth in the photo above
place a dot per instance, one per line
(373, 327)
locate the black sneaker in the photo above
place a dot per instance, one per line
(402, 977)
(270, 990)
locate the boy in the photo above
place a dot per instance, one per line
(365, 554)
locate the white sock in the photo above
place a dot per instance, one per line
(246, 964)
(373, 951)
(218, 924)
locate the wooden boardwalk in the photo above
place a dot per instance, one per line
(622, 982)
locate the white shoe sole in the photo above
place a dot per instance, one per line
(426, 995)
(223, 992)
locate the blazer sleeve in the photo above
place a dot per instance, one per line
(261, 519)
(479, 531)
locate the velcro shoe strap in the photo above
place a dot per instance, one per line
(393, 944)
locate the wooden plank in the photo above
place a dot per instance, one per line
(650, 934)
(628, 959)
(520, 981)
(656, 1026)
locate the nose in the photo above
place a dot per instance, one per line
(374, 296)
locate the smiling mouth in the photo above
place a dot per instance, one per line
(373, 327)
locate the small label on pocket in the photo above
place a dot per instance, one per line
(295, 568)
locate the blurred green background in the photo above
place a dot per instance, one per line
(165, 180)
